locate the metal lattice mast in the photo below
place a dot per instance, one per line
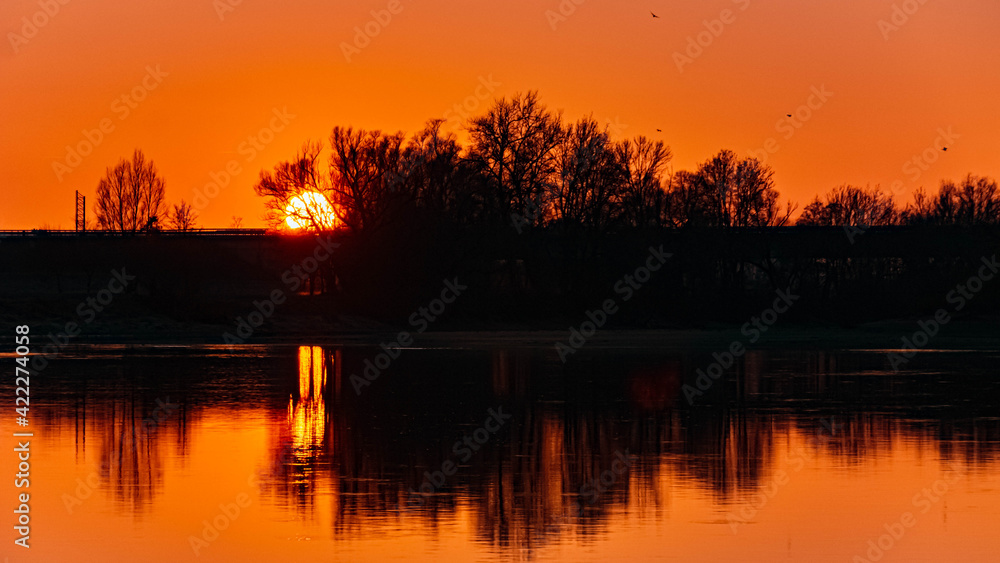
(81, 212)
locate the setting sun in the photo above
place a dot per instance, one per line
(311, 209)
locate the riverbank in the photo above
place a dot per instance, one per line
(128, 322)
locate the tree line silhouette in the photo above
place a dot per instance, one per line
(131, 197)
(975, 201)
(524, 167)
(542, 216)
(542, 211)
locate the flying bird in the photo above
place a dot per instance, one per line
(945, 149)
(661, 131)
(788, 115)
(654, 15)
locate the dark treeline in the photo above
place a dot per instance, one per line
(542, 217)
(524, 168)
(975, 201)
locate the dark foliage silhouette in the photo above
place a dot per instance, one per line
(973, 201)
(851, 206)
(130, 196)
(182, 217)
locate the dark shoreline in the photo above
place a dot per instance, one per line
(812, 286)
(960, 335)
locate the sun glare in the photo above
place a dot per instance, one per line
(309, 209)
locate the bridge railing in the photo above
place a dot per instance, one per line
(65, 233)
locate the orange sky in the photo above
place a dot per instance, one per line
(225, 77)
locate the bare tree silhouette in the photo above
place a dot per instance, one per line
(642, 202)
(130, 196)
(514, 147)
(432, 174)
(688, 203)
(364, 172)
(727, 191)
(851, 206)
(974, 201)
(292, 179)
(183, 216)
(588, 177)
(371, 176)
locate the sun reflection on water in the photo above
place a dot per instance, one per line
(307, 411)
